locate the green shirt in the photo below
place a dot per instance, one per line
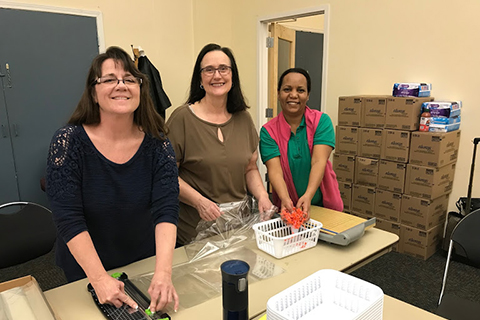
(299, 157)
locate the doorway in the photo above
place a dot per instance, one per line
(310, 27)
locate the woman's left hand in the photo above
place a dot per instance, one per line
(304, 203)
(266, 208)
(162, 292)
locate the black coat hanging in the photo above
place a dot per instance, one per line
(159, 97)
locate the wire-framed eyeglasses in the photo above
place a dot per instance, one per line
(210, 70)
(110, 81)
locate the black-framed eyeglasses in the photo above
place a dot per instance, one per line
(110, 81)
(210, 71)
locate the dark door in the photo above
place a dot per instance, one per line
(309, 56)
(48, 55)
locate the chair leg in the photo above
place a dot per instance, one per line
(450, 247)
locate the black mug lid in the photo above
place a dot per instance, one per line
(235, 267)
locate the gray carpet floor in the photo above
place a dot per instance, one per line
(403, 277)
(43, 269)
(419, 282)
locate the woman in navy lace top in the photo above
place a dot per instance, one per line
(112, 183)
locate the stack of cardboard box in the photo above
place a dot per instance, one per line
(388, 169)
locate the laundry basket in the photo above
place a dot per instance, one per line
(277, 239)
(327, 294)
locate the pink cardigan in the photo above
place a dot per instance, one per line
(280, 131)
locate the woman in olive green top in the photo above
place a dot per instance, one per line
(215, 143)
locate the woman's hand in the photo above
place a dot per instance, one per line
(162, 292)
(265, 208)
(287, 204)
(304, 203)
(207, 209)
(110, 290)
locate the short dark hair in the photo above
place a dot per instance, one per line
(295, 70)
(235, 100)
(145, 116)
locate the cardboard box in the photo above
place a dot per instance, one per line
(391, 176)
(366, 171)
(346, 140)
(363, 201)
(33, 298)
(346, 194)
(434, 149)
(423, 214)
(395, 145)
(427, 182)
(373, 111)
(370, 143)
(403, 113)
(392, 227)
(349, 111)
(344, 167)
(388, 205)
(420, 243)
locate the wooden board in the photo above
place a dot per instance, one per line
(335, 221)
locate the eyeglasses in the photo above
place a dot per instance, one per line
(129, 81)
(222, 69)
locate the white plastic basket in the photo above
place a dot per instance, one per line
(327, 294)
(276, 238)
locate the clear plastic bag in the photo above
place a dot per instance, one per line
(233, 226)
(201, 280)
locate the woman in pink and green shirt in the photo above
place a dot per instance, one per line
(295, 147)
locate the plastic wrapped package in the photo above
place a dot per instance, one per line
(233, 226)
(201, 280)
(24, 302)
(3, 310)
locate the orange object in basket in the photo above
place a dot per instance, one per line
(295, 218)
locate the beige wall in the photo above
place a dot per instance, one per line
(373, 43)
(376, 43)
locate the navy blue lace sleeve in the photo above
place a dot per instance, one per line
(165, 191)
(63, 182)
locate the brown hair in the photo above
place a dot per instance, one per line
(145, 116)
(236, 100)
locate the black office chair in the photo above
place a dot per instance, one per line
(465, 237)
(26, 233)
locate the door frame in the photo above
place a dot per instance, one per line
(61, 10)
(262, 61)
(277, 32)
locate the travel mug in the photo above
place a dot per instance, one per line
(235, 289)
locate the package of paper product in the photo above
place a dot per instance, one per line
(411, 89)
(444, 120)
(446, 109)
(444, 127)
